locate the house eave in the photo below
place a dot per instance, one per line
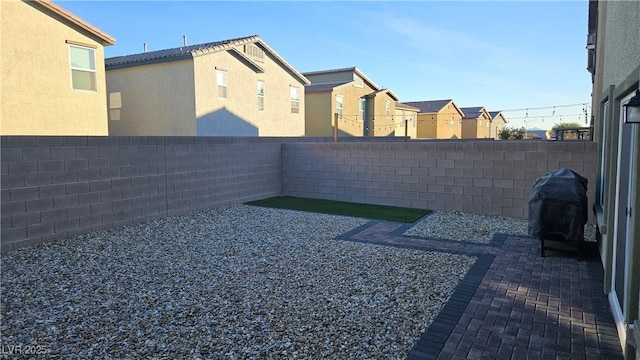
(148, 62)
(104, 38)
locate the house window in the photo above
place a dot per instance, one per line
(339, 105)
(387, 109)
(221, 80)
(295, 99)
(260, 95)
(451, 122)
(363, 103)
(83, 68)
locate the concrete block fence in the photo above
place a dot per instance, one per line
(484, 177)
(56, 187)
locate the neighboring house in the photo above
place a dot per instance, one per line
(536, 133)
(236, 87)
(613, 45)
(438, 119)
(363, 108)
(498, 123)
(476, 123)
(52, 71)
(406, 115)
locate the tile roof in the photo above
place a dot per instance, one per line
(105, 39)
(472, 112)
(429, 106)
(330, 71)
(352, 69)
(383, 91)
(494, 113)
(404, 106)
(191, 51)
(324, 87)
(177, 52)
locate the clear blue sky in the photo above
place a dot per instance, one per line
(503, 55)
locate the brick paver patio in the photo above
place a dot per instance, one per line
(513, 303)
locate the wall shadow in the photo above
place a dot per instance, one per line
(224, 123)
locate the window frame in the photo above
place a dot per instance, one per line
(260, 95)
(340, 109)
(387, 109)
(606, 107)
(294, 100)
(220, 86)
(93, 72)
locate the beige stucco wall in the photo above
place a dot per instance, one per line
(321, 108)
(427, 126)
(476, 128)
(181, 98)
(383, 124)
(353, 123)
(36, 93)
(497, 124)
(156, 99)
(238, 114)
(445, 130)
(411, 116)
(438, 125)
(617, 75)
(318, 114)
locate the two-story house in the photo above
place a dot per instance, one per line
(362, 107)
(235, 87)
(438, 119)
(613, 48)
(476, 123)
(52, 71)
(498, 123)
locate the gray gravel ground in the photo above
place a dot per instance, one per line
(238, 282)
(461, 226)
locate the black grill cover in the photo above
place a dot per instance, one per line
(558, 206)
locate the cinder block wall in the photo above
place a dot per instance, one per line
(484, 177)
(55, 187)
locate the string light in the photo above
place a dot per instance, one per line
(393, 122)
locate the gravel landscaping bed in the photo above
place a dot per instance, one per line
(238, 282)
(461, 226)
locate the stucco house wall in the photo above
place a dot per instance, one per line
(616, 79)
(498, 123)
(352, 123)
(445, 116)
(154, 100)
(318, 114)
(476, 127)
(383, 123)
(353, 86)
(187, 80)
(36, 90)
(411, 117)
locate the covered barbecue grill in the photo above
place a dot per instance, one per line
(558, 208)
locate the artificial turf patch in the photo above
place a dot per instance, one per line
(380, 212)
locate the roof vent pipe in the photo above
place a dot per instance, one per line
(145, 47)
(184, 40)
